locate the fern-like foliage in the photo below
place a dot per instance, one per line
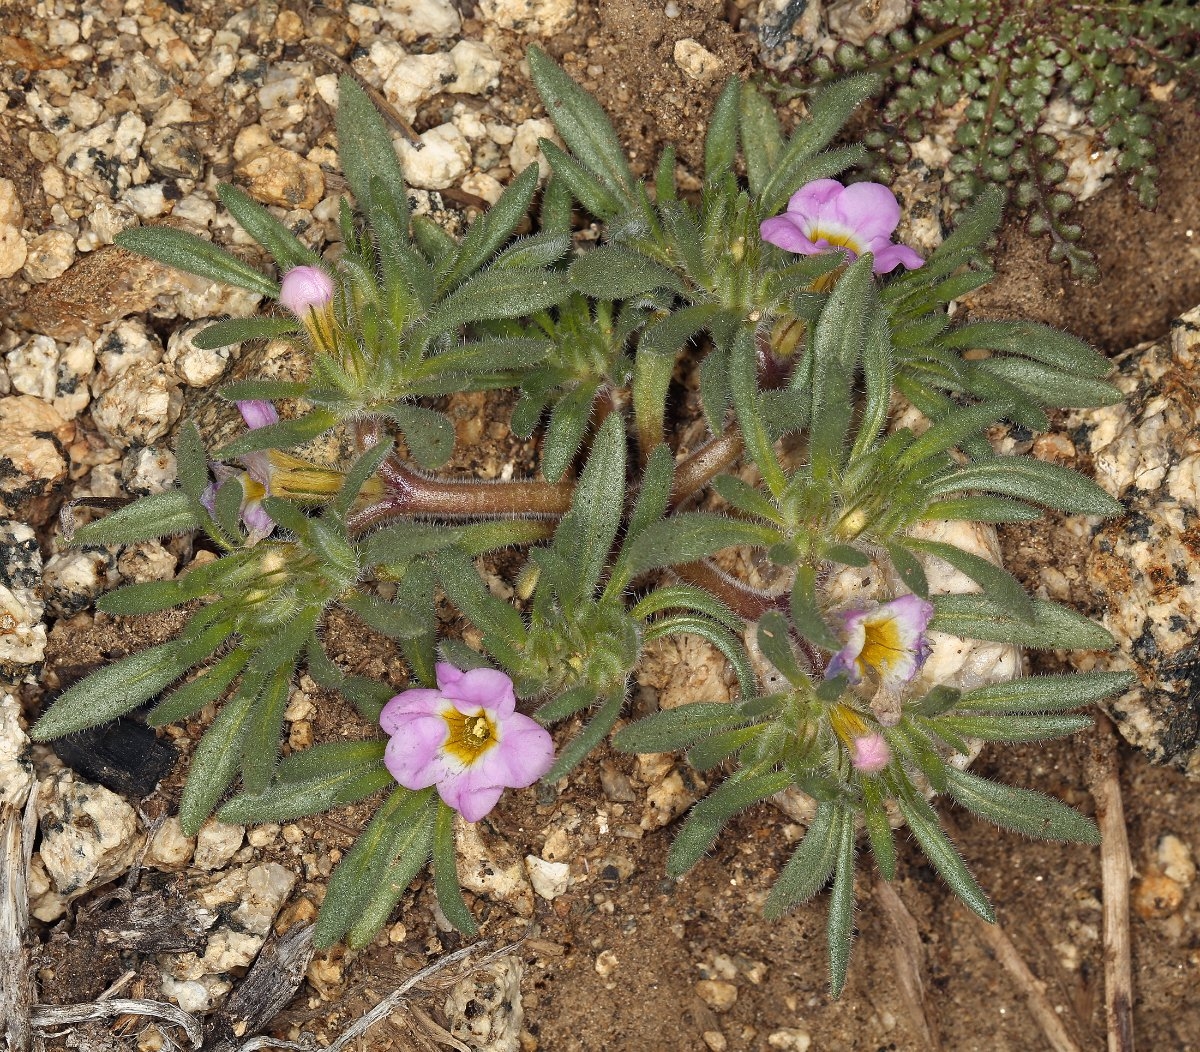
(1008, 60)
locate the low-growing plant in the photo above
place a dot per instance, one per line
(802, 346)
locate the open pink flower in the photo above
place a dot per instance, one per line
(871, 753)
(824, 215)
(888, 640)
(254, 475)
(466, 738)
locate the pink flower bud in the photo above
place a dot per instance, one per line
(871, 753)
(304, 289)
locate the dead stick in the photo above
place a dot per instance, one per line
(1030, 985)
(1105, 785)
(910, 966)
(17, 992)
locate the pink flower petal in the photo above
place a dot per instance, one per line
(812, 199)
(869, 209)
(469, 796)
(419, 701)
(523, 753)
(785, 232)
(484, 687)
(891, 256)
(257, 413)
(414, 755)
(259, 524)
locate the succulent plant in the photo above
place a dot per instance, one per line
(1007, 61)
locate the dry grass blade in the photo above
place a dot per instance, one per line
(49, 1017)
(1115, 867)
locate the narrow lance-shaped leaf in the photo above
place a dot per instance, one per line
(215, 761)
(828, 113)
(840, 922)
(720, 144)
(1046, 693)
(366, 152)
(677, 728)
(239, 330)
(287, 250)
(1034, 480)
(187, 252)
(445, 873)
(147, 518)
(1020, 809)
(612, 272)
(581, 122)
(115, 689)
(352, 881)
(693, 535)
(811, 863)
(490, 230)
(596, 730)
(586, 533)
(998, 584)
(706, 820)
(946, 860)
(1052, 626)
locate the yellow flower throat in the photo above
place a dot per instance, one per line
(469, 736)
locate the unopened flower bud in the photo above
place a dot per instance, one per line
(304, 289)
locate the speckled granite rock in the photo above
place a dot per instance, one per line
(485, 1009)
(89, 834)
(1144, 570)
(22, 633)
(33, 458)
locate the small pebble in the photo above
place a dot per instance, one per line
(607, 962)
(50, 254)
(276, 176)
(13, 249)
(718, 994)
(549, 879)
(1156, 896)
(1175, 859)
(790, 1039)
(715, 1040)
(216, 844)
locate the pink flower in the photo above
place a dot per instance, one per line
(824, 215)
(871, 753)
(255, 478)
(304, 289)
(888, 640)
(466, 738)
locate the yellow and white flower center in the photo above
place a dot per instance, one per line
(468, 737)
(883, 645)
(835, 237)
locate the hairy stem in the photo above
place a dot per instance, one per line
(407, 492)
(700, 466)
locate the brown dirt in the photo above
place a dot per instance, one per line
(664, 934)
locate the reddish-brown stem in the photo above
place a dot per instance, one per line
(747, 602)
(698, 468)
(408, 492)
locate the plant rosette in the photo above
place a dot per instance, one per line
(961, 664)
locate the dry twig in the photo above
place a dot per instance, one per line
(910, 966)
(16, 978)
(1029, 984)
(1105, 785)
